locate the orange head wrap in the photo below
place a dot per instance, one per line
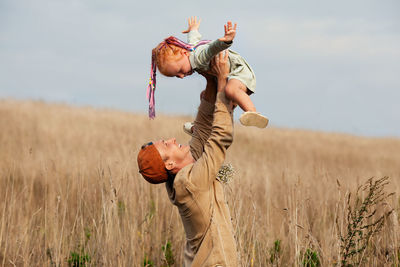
(151, 165)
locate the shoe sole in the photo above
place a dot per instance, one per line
(253, 119)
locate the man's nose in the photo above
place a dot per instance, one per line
(172, 140)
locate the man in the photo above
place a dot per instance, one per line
(190, 175)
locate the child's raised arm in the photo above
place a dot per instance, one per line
(229, 32)
(204, 54)
(193, 24)
(193, 36)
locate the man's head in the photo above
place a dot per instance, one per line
(159, 159)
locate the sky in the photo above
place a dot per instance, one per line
(329, 66)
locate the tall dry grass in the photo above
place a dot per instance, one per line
(69, 184)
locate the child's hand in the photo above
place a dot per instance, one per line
(229, 32)
(193, 23)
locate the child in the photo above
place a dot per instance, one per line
(175, 58)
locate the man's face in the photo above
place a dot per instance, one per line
(170, 151)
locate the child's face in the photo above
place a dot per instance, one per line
(179, 68)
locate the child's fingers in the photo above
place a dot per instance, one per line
(234, 27)
(194, 20)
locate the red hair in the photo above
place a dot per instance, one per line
(164, 53)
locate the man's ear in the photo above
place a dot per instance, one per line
(169, 164)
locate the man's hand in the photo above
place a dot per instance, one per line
(220, 68)
(229, 33)
(193, 23)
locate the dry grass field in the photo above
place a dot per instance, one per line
(71, 194)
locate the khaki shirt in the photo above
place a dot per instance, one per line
(199, 196)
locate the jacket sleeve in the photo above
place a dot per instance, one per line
(193, 37)
(204, 53)
(202, 128)
(205, 169)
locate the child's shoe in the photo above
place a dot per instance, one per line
(251, 118)
(188, 128)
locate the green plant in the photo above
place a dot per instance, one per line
(275, 252)
(168, 255)
(310, 258)
(147, 262)
(78, 258)
(362, 221)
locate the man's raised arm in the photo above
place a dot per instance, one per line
(204, 118)
(206, 167)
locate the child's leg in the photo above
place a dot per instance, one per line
(237, 92)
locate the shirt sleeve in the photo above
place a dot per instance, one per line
(202, 128)
(204, 53)
(205, 169)
(193, 37)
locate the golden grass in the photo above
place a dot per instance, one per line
(69, 183)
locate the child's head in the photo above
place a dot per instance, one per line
(171, 57)
(172, 60)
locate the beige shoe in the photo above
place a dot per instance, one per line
(250, 118)
(188, 128)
